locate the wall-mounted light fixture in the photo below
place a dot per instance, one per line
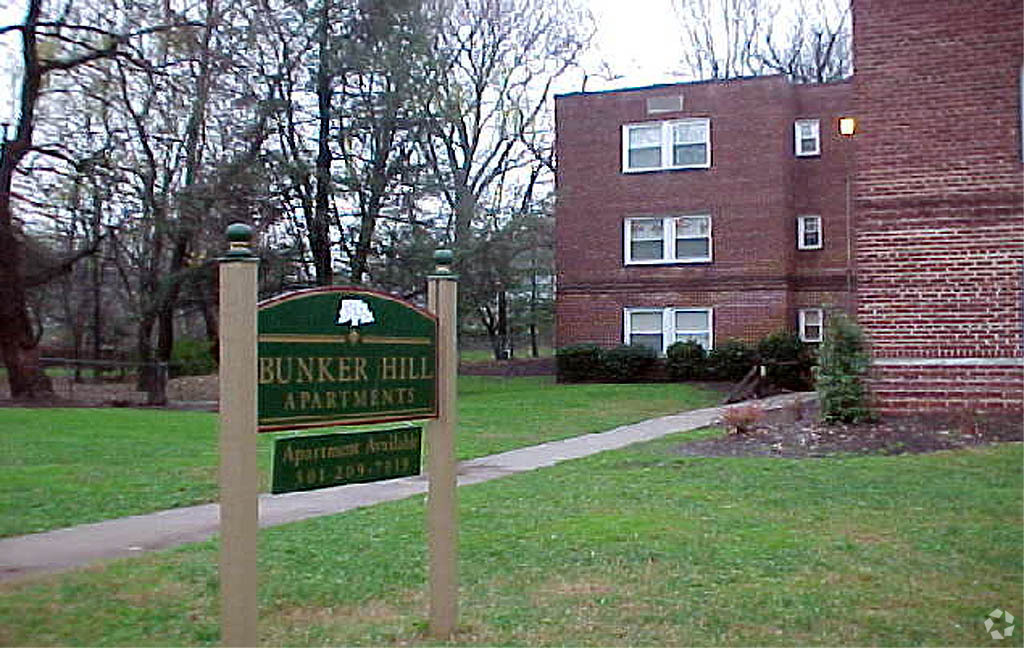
(847, 127)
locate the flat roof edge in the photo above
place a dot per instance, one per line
(683, 84)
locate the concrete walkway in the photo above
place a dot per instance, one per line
(62, 549)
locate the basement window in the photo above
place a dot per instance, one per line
(811, 324)
(660, 328)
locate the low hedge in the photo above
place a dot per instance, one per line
(730, 360)
(686, 361)
(580, 363)
(627, 363)
(789, 361)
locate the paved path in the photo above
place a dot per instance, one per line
(23, 556)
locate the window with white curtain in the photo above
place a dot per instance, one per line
(660, 328)
(668, 239)
(676, 144)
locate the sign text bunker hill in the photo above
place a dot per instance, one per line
(342, 383)
(344, 356)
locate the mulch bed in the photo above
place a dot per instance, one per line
(888, 436)
(517, 367)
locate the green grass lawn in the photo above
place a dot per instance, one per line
(69, 466)
(634, 547)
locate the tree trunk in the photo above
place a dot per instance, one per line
(97, 309)
(18, 343)
(208, 308)
(144, 350)
(319, 229)
(503, 352)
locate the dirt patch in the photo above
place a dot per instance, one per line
(518, 367)
(808, 438)
(113, 393)
(194, 388)
(86, 393)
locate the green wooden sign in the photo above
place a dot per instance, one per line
(344, 356)
(323, 460)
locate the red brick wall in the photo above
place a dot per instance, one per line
(596, 317)
(904, 387)
(819, 184)
(938, 197)
(752, 191)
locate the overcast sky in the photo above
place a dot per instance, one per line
(636, 38)
(639, 39)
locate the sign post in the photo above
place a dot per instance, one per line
(442, 297)
(239, 479)
(327, 357)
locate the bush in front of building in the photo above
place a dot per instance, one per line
(686, 361)
(789, 361)
(731, 360)
(580, 363)
(842, 370)
(628, 362)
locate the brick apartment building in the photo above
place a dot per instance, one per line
(703, 211)
(732, 209)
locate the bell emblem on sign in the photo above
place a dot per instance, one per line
(354, 312)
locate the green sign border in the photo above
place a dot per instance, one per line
(335, 459)
(410, 327)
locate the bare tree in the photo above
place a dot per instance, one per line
(721, 38)
(53, 47)
(816, 47)
(379, 120)
(498, 61)
(807, 40)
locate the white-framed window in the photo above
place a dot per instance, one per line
(807, 137)
(812, 324)
(645, 327)
(660, 328)
(668, 239)
(693, 324)
(676, 144)
(808, 232)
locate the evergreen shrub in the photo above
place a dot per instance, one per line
(789, 361)
(842, 368)
(580, 362)
(686, 361)
(192, 357)
(628, 362)
(730, 360)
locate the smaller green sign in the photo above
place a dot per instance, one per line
(323, 460)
